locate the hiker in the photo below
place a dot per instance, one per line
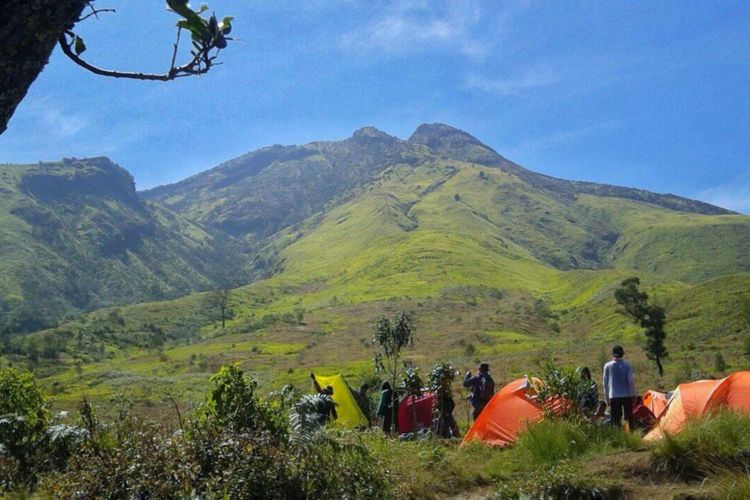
(643, 416)
(600, 416)
(482, 388)
(619, 388)
(363, 401)
(388, 402)
(590, 397)
(329, 406)
(445, 425)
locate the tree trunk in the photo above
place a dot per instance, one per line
(658, 365)
(28, 34)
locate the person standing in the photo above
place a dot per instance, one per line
(385, 409)
(619, 388)
(482, 388)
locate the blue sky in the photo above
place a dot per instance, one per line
(648, 94)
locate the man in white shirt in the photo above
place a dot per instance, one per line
(619, 388)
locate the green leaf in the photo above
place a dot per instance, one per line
(79, 46)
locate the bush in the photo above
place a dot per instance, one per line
(555, 439)
(561, 481)
(24, 417)
(712, 445)
(237, 446)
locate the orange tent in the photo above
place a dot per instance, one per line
(507, 414)
(700, 398)
(656, 402)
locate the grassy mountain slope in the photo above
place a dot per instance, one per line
(494, 266)
(260, 193)
(75, 236)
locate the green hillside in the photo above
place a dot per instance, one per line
(75, 236)
(496, 262)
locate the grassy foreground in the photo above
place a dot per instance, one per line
(237, 444)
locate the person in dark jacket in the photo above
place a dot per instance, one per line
(445, 424)
(388, 402)
(590, 398)
(482, 388)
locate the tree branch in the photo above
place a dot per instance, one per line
(94, 12)
(199, 65)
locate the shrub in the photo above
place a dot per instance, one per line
(555, 439)
(561, 481)
(24, 417)
(232, 403)
(708, 446)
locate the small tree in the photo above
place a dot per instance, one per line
(634, 304)
(562, 389)
(719, 364)
(218, 301)
(441, 384)
(392, 335)
(411, 386)
(24, 415)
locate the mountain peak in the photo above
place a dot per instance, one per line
(371, 133)
(437, 135)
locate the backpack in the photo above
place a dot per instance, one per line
(487, 388)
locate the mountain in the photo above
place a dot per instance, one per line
(559, 222)
(497, 263)
(75, 236)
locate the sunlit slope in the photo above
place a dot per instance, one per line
(680, 246)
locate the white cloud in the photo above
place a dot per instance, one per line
(558, 138)
(54, 120)
(407, 27)
(514, 85)
(732, 195)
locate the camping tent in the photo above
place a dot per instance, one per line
(507, 414)
(423, 409)
(700, 398)
(349, 413)
(656, 402)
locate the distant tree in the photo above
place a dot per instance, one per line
(218, 301)
(651, 318)
(30, 29)
(299, 314)
(456, 197)
(392, 335)
(411, 386)
(719, 364)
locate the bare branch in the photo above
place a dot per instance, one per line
(199, 65)
(174, 53)
(94, 12)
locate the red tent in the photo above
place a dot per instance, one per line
(423, 409)
(508, 413)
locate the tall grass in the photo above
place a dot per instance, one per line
(714, 445)
(552, 440)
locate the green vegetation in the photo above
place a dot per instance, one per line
(517, 268)
(238, 443)
(76, 237)
(714, 445)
